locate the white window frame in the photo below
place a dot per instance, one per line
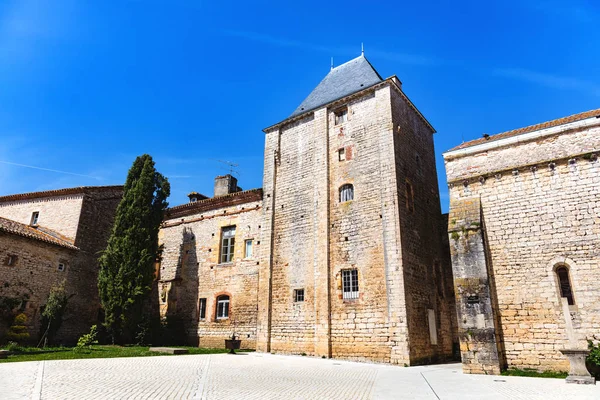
(248, 245)
(342, 154)
(61, 266)
(222, 307)
(227, 244)
(346, 192)
(350, 288)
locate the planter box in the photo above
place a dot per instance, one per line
(232, 345)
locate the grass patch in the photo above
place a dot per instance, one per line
(532, 373)
(97, 351)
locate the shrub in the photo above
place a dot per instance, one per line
(18, 331)
(88, 339)
(593, 359)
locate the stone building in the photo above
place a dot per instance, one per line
(49, 237)
(349, 255)
(524, 231)
(208, 275)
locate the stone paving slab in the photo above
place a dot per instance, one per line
(169, 350)
(265, 376)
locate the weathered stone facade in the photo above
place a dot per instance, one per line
(350, 199)
(191, 267)
(522, 205)
(72, 226)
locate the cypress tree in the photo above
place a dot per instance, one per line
(126, 266)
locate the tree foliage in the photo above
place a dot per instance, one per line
(126, 266)
(52, 312)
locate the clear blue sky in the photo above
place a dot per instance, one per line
(86, 86)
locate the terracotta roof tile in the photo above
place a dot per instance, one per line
(36, 233)
(532, 128)
(213, 203)
(59, 192)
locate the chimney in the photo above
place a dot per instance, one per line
(226, 184)
(195, 196)
(397, 81)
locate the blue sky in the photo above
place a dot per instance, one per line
(86, 86)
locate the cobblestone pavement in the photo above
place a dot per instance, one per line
(265, 376)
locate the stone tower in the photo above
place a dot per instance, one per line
(354, 264)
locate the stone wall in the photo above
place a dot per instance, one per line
(30, 278)
(191, 270)
(313, 237)
(540, 205)
(427, 273)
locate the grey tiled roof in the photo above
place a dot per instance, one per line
(348, 78)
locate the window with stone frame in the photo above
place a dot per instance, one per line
(346, 193)
(350, 284)
(223, 307)
(342, 154)
(341, 116)
(248, 248)
(564, 284)
(298, 295)
(227, 244)
(202, 308)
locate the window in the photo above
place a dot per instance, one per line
(202, 308)
(10, 260)
(223, 307)
(565, 284)
(346, 193)
(193, 199)
(349, 284)
(227, 244)
(34, 218)
(248, 249)
(298, 295)
(61, 266)
(341, 116)
(410, 204)
(342, 154)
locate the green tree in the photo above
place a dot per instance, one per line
(126, 266)
(52, 312)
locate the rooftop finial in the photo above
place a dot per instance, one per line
(331, 62)
(362, 49)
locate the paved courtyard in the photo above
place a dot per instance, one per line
(264, 376)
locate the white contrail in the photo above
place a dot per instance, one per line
(47, 169)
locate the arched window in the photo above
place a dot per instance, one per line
(223, 307)
(564, 284)
(346, 193)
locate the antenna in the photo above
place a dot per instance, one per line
(331, 62)
(230, 166)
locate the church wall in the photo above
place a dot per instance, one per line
(540, 204)
(191, 270)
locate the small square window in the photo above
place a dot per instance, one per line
(248, 248)
(342, 154)
(61, 267)
(341, 116)
(34, 218)
(298, 295)
(11, 260)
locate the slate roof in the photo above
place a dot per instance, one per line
(531, 128)
(36, 233)
(348, 78)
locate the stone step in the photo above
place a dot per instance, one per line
(169, 350)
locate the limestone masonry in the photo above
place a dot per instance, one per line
(344, 251)
(524, 235)
(50, 237)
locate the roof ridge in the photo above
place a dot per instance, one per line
(58, 192)
(20, 229)
(530, 128)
